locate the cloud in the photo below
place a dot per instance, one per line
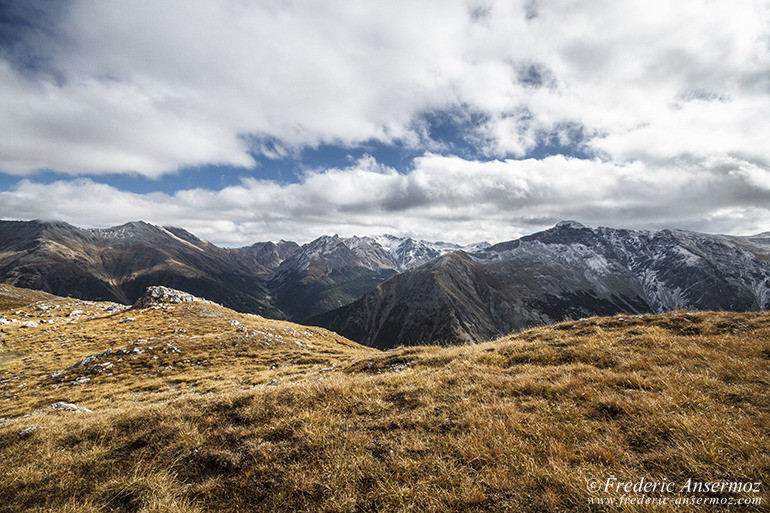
(442, 198)
(150, 87)
(660, 109)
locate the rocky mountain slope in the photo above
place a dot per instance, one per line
(407, 252)
(443, 293)
(118, 263)
(58, 343)
(281, 280)
(567, 272)
(264, 257)
(326, 274)
(330, 272)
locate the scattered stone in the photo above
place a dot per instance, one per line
(27, 431)
(89, 359)
(327, 369)
(62, 406)
(271, 384)
(3, 320)
(81, 380)
(101, 367)
(234, 323)
(29, 324)
(128, 319)
(81, 363)
(75, 313)
(398, 367)
(240, 329)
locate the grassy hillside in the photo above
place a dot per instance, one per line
(265, 415)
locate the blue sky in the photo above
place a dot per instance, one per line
(447, 133)
(456, 120)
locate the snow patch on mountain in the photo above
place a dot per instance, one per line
(407, 252)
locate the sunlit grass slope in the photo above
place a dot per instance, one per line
(261, 415)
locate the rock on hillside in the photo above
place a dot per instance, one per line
(156, 295)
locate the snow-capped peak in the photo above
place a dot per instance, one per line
(570, 224)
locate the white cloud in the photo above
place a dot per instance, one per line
(149, 87)
(443, 198)
(672, 97)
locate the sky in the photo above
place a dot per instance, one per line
(461, 121)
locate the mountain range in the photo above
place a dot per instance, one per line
(567, 272)
(280, 280)
(385, 291)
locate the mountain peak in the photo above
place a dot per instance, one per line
(574, 225)
(129, 229)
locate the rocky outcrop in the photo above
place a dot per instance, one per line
(158, 295)
(28, 431)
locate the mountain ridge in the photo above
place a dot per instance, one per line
(281, 280)
(387, 290)
(564, 273)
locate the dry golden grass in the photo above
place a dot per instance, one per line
(519, 424)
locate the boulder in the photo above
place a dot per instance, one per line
(157, 295)
(69, 407)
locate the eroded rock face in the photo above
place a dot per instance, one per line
(157, 295)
